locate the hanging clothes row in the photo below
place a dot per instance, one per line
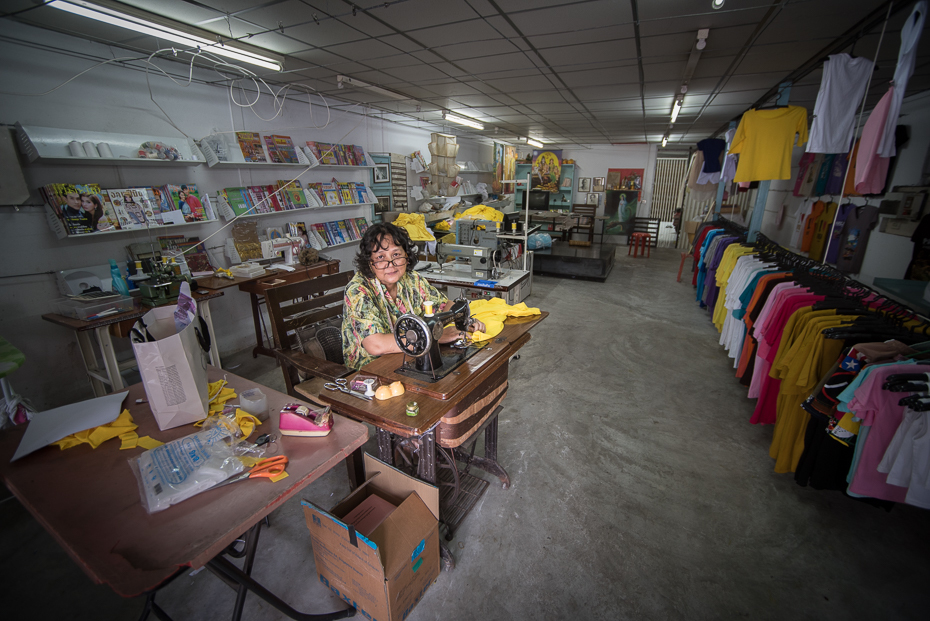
(814, 348)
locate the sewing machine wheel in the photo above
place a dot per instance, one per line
(412, 335)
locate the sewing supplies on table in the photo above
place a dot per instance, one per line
(343, 386)
(300, 420)
(269, 467)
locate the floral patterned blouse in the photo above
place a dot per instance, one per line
(369, 309)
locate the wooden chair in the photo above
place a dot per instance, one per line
(295, 307)
(586, 220)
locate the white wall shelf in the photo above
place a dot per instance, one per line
(58, 227)
(228, 214)
(48, 145)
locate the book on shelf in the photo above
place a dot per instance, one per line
(353, 230)
(362, 224)
(294, 193)
(327, 154)
(132, 208)
(251, 145)
(195, 253)
(235, 198)
(360, 159)
(285, 148)
(343, 231)
(273, 154)
(321, 234)
(331, 193)
(274, 232)
(186, 199)
(345, 193)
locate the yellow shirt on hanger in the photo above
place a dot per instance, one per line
(821, 232)
(764, 140)
(724, 270)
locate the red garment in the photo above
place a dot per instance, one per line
(699, 241)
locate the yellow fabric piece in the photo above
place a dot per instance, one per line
(480, 212)
(724, 271)
(130, 440)
(492, 312)
(415, 225)
(214, 388)
(283, 475)
(98, 435)
(443, 226)
(148, 442)
(247, 423)
(248, 461)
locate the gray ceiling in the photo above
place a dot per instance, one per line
(582, 72)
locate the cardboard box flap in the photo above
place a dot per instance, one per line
(323, 525)
(399, 485)
(403, 532)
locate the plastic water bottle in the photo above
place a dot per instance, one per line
(119, 283)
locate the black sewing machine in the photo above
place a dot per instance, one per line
(418, 337)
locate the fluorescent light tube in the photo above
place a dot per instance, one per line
(534, 143)
(461, 120)
(675, 110)
(344, 79)
(123, 20)
(664, 140)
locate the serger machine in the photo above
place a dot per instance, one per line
(478, 256)
(418, 337)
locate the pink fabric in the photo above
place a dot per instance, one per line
(761, 367)
(871, 169)
(879, 410)
(805, 162)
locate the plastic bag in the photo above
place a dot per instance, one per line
(539, 241)
(187, 466)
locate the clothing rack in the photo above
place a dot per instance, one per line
(732, 227)
(849, 287)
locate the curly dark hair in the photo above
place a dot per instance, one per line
(377, 237)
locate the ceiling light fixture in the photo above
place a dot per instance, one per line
(664, 140)
(342, 80)
(716, 4)
(534, 143)
(461, 120)
(162, 31)
(676, 109)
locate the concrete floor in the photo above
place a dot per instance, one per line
(640, 491)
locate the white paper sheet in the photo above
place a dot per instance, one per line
(53, 425)
(173, 217)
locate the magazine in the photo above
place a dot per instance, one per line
(251, 145)
(186, 199)
(132, 208)
(273, 154)
(285, 148)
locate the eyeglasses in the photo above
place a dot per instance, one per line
(398, 261)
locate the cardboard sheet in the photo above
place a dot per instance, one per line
(53, 425)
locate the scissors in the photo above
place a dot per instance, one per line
(342, 385)
(269, 467)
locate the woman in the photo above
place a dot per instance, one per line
(381, 291)
(93, 210)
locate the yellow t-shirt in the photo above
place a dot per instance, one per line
(822, 225)
(724, 271)
(764, 140)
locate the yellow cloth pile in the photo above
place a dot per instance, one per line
(219, 395)
(492, 312)
(247, 423)
(122, 428)
(481, 212)
(443, 225)
(415, 224)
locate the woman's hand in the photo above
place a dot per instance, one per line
(477, 326)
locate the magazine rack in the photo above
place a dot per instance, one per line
(48, 145)
(58, 228)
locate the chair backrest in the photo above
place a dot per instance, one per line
(298, 305)
(648, 225)
(587, 212)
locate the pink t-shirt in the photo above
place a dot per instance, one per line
(879, 410)
(871, 168)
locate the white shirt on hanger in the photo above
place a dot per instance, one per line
(907, 56)
(841, 89)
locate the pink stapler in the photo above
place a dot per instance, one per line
(300, 420)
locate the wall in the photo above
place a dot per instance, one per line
(116, 99)
(887, 256)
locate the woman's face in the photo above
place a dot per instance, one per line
(389, 274)
(87, 204)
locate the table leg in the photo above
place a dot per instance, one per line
(355, 466)
(259, 342)
(109, 358)
(426, 467)
(86, 346)
(204, 308)
(229, 573)
(385, 447)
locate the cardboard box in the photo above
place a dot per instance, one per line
(385, 574)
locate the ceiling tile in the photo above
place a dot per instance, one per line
(395, 60)
(620, 50)
(514, 86)
(476, 50)
(668, 47)
(445, 36)
(416, 74)
(505, 62)
(329, 32)
(402, 42)
(363, 51)
(569, 17)
(179, 10)
(452, 89)
(417, 14)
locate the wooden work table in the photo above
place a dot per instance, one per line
(88, 499)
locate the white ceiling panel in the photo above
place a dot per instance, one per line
(514, 86)
(414, 15)
(485, 48)
(620, 75)
(330, 32)
(363, 51)
(504, 62)
(571, 17)
(594, 34)
(624, 49)
(445, 36)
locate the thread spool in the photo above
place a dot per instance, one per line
(90, 149)
(104, 150)
(77, 149)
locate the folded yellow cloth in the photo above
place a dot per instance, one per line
(123, 428)
(443, 226)
(481, 212)
(415, 225)
(247, 423)
(492, 312)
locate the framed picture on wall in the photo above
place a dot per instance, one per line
(382, 173)
(598, 184)
(384, 204)
(584, 184)
(593, 198)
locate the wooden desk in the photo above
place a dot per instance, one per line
(88, 499)
(459, 402)
(102, 330)
(257, 286)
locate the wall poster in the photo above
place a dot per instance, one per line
(623, 191)
(547, 168)
(505, 165)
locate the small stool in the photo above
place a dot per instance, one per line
(640, 243)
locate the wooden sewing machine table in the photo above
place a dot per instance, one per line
(452, 409)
